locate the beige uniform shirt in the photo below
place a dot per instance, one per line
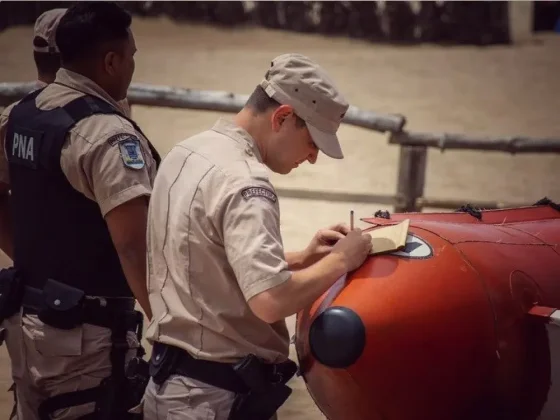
(214, 242)
(92, 158)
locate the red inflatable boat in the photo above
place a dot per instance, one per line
(459, 325)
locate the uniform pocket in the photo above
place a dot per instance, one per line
(52, 342)
(198, 413)
(189, 399)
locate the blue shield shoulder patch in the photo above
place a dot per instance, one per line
(131, 153)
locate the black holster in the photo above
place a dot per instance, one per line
(267, 388)
(137, 376)
(117, 396)
(260, 388)
(122, 390)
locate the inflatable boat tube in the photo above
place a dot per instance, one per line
(455, 326)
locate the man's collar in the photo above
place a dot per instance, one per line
(232, 130)
(83, 84)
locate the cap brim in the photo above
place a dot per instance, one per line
(326, 142)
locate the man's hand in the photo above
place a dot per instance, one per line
(353, 248)
(323, 242)
(308, 283)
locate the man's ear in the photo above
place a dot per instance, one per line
(280, 115)
(110, 63)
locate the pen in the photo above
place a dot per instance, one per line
(351, 219)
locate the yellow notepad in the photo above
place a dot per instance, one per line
(389, 238)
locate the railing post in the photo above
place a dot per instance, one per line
(412, 175)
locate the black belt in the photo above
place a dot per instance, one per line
(176, 361)
(104, 312)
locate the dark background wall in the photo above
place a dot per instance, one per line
(450, 22)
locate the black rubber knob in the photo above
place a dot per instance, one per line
(337, 337)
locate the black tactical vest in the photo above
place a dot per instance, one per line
(59, 234)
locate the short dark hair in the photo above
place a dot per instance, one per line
(46, 63)
(88, 25)
(260, 102)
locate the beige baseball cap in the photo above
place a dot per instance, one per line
(295, 80)
(45, 27)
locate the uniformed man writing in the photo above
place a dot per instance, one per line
(79, 174)
(220, 282)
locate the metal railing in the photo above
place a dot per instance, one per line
(413, 146)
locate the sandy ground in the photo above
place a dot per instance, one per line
(493, 91)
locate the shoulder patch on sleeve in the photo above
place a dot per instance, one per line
(131, 152)
(262, 192)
